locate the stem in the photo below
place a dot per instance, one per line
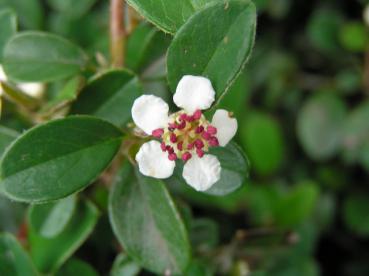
(117, 32)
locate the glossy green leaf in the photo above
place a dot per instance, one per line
(49, 254)
(76, 267)
(58, 158)
(49, 220)
(7, 136)
(204, 233)
(124, 266)
(216, 43)
(11, 214)
(109, 96)
(72, 8)
(8, 23)
(235, 169)
(145, 45)
(262, 139)
(356, 213)
(168, 15)
(13, 259)
(354, 36)
(147, 224)
(30, 12)
(320, 125)
(38, 56)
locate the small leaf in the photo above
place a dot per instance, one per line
(320, 125)
(48, 220)
(76, 267)
(234, 169)
(29, 12)
(58, 158)
(7, 135)
(38, 56)
(356, 213)
(8, 23)
(72, 8)
(124, 266)
(216, 43)
(49, 254)
(147, 224)
(109, 96)
(168, 15)
(13, 259)
(262, 139)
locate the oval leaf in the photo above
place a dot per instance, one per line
(76, 267)
(124, 266)
(13, 259)
(56, 159)
(7, 135)
(48, 220)
(8, 23)
(147, 223)
(215, 43)
(49, 254)
(38, 56)
(109, 96)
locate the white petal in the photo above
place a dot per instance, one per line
(193, 93)
(152, 161)
(149, 113)
(202, 173)
(2, 74)
(33, 89)
(226, 126)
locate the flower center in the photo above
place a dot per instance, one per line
(186, 135)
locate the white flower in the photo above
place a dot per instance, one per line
(185, 135)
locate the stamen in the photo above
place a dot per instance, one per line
(214, 141)
(172, 156)
(173, 138)
(180, 146)
(190, 146)
(173, 125)
(199, 144)
(182, 125)
(206, 135)
(170, 149)
(157, 133)
(211, 130)
(197, 114)
(199, 129)
(200, 153)
(186, 156)
(163, 146)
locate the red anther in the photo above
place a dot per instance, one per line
(163, 146)
(172, 125)
(172, 156)
(200, 153)
(183, 117)
(199, 144)
(211, 130)
(173, 138)
(180, 146)
(197, 114)
(186, 156)
(199, 129)
(190, 146)
(182, 125)
(170, 149)
(190, 119)
(206, 135)
(157, 133)
(214, 141)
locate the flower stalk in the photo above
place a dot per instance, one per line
(117, 32)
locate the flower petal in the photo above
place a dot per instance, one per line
(194, 93)
(226, 126)
(33, 89)
(149, 113)
(152, 161)
(202, 173)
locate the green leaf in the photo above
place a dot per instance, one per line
(13, 259)
(49, 220)
(124, 266)
(168, 15)
(145, 45)
(216, 43)
(7, 135)
(320, 125)
(11, 214)
(147, 224)
(204, 233)
(262, 139)
(8, 23)
(49, 254)
(109, 96)
(235, 169)
(76, 267)
(356, 213)
(58, 158)
(354, 36)
(72, 8)
(356, 135)
(38, 56)
(30, 12)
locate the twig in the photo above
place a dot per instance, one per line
(117, 32)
